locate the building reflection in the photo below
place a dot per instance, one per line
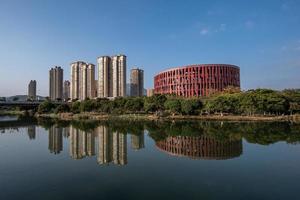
(137, 141)
(31, 131)
(112, 146)
(201, 147)
(66, 132)
(55, 140)
(81, 144)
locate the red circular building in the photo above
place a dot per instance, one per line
(197, 80)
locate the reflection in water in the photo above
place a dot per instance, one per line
(82, 143)
(137, 141)
(55, 140)
(66, 132)
(112, 146)
(173, 177)
(197, 140)
(31, 132)
(204, 147)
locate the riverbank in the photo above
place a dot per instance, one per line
(97, 116)
(12, 112)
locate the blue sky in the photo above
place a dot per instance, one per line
(262, 37)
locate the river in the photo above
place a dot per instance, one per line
(42, 159)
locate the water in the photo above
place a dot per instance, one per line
(148, 160)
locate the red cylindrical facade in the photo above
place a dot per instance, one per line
(197, 80)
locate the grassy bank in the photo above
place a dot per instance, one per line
(12, 112)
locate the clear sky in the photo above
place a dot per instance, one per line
(262, 37)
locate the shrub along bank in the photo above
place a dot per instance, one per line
(251, 102)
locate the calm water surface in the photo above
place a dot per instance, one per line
(148, 160)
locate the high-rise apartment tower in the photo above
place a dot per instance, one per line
(137, 82)
(32, 90)
(56, 83)
(111, 76)
(82, 80)
(66, 90)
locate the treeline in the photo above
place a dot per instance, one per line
(260, 101)
(251, 102)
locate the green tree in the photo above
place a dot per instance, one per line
(75, 107)
(191, 106)
(87, 105)
(107, 107)
(293, 96)
(62, 108)
(155, 103)
(134, 104)
(228, 103)
(46, 107)
(248, 103)
(173, 105)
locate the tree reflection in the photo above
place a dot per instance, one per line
(107, 140)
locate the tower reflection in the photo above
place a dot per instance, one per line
(55, 140)
(112, 146)
(82, 143)
(137, 141)
(31, 131)
(201, 147)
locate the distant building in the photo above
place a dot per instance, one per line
(137, 82)
(82, 80)
(89, 81)
(56, 83)
(96, 88)
(197, 80)
(128, 89)
(111, 76)
(66, 90)
(32, 90)
(150, 92)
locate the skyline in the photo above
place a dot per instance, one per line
(263, 39)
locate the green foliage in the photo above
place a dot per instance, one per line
(155, 103)
(134, 104)
(191, 106)
(62, 108)
(87, 105)
(260, 101)
(173, 105)
(75, 108)
(120, 102)
(46, 107)
(228, 103)
(293, 97)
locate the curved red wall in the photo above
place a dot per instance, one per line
(197, 80)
